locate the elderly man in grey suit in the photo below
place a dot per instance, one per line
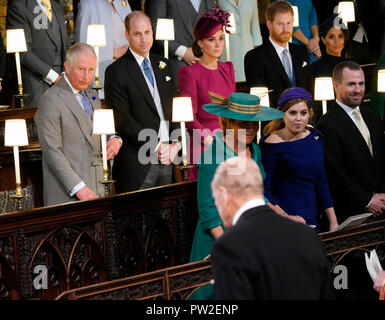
(72, 164)
(185, 14)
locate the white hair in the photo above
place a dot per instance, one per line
(245, 182)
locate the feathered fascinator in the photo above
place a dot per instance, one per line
(210, 22)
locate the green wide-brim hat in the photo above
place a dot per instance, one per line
(241, 106)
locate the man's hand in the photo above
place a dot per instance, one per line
(379, 282)
(189, 57)
(167, 153)
(377, 205)
(86, 193)
(113, 145)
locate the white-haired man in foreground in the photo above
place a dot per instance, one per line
(262, 255)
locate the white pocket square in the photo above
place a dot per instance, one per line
(168, 78)
(304, 64)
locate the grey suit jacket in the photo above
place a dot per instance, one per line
(71, 153)
(42, 47)
(182, 11)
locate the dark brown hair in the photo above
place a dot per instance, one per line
(339, 68)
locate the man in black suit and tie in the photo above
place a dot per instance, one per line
(262, 255)
(354, 147)
(277, 64)
(139, 87)
(47, 43)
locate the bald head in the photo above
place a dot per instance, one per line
(236, 181)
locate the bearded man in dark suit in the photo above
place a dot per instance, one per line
(277, 64)
(354, 161)
(262, 255)
(139, 87)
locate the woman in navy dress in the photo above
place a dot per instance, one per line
(293, 159)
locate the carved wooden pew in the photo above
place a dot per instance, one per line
(88, 242)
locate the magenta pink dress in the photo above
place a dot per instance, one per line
(196, 81)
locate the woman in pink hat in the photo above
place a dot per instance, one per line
(209, 74)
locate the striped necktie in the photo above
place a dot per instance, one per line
(86, 104)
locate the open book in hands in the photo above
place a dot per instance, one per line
(373, 264)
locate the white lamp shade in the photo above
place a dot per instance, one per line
(262, 93)
(381, 81)
(96, 35)
(182, 109)
(346, 11)
(16, 41)
(296, 16)
(165, 29)
(103, 120)
(15, 133)
(323, 89)
(231, 28)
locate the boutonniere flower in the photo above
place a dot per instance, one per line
(93, 98)
(162, 65)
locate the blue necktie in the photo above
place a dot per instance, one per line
(286, 64)
(86, 104)
(147, 71)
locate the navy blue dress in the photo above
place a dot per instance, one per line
(295, 175)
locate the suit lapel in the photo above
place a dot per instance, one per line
(137, 78)
(296, 62)
(161, 84)
(72, 103)
(276, 61)
(347, 124)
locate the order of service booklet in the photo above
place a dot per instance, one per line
(373, 264)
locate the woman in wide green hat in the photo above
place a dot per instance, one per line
(239, 117)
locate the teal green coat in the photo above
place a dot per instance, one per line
(208, 214)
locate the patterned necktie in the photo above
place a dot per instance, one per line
(361, 125)
(147, 71)
(48, 8)
(86, 104)
(286, 64)
(196, 4)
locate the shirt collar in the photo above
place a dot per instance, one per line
(69, 83)
(347, 109)
(279, 48)
(139, 59)
(246, 206)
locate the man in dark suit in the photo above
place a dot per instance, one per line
(47, 43)
(277, 64)
(139, 87)
(262, 255)
(185, 14)
(354, 147)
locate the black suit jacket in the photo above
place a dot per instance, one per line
(354, 175)
(266, 256)
(263, 67)
(127, 93)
